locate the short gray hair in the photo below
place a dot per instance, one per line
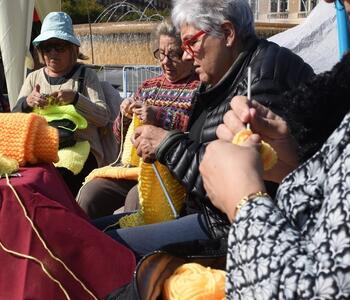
(167, 28)
(210, 14)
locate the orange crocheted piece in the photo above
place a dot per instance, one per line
(28, 138)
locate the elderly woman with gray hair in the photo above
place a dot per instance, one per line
(218, 37)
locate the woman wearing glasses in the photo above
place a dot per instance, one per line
(63, 81)
(164, 101)
(219, 39)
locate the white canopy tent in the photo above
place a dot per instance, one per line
(16, 17)
(315, 39)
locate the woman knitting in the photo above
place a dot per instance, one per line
(164, 101)
(67, 92)
(292, 246)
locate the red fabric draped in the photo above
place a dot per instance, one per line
(35, 16)
(98, 261)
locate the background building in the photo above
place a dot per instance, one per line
(281, 11)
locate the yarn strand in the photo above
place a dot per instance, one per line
(44, 243)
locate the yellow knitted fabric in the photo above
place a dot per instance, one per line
(60, 112)
(115, 173)
(192, 281)
(7, 165)
(130, 160)
(73, 158)
(154, 207)
(129, 155)
(268, 154)
(28, 138)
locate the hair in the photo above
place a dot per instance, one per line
(167, 28)
(315, 109)
(210, 14)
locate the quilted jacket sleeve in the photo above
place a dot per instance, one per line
(183, 157)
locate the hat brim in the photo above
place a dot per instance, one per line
(55, 34)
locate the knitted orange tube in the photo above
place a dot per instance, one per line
(28, 138)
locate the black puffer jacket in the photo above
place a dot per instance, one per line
(274, 71)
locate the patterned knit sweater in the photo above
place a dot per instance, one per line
(173, 102)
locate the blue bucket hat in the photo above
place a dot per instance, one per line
(57, 25)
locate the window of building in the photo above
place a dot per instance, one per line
(279, 6)
(307, 5)
(283, 5)
(274, 6)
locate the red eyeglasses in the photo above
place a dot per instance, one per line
(189, 43)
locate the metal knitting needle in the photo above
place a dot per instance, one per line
(249, 90)
(165, 191)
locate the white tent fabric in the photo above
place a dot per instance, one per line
(315, 40)
(16, 17)
(15, 27)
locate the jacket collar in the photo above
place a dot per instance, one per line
(211, 96)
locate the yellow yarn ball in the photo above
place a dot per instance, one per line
(268, 154)
(192, 281)
(7, 165)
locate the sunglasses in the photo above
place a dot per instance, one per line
(187, 45)
(172, 55)
(46, 48)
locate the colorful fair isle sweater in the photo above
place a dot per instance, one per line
(173, 102)
(298, 247)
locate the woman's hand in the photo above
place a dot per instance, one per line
(126, 107)
(35, 99)
(146, 113)
(63, 97)
(231, 172)
(272, 129)
(146, 139)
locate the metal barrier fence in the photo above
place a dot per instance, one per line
(126, 79)
(133, 76)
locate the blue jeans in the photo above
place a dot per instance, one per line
(148, 238)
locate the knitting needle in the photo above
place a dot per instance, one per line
(166, 193)
(249, 90)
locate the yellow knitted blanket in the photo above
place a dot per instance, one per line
(129, 169)
(154, 207)
(28, 138)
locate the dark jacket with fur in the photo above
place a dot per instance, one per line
(274, 71)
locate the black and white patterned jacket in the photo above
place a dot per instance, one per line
(298, 248)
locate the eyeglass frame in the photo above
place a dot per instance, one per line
(158, 56)
(58, 47)
(186, 43)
